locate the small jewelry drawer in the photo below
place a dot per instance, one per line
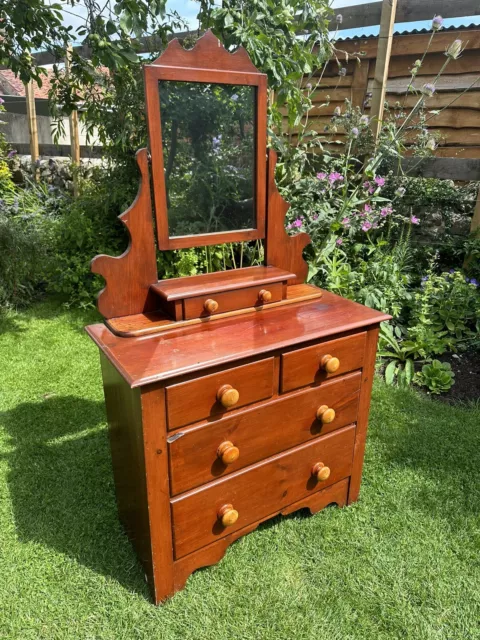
(322, 361)
(203, 453)
(262, 490)
(219, 392)
(209, 305)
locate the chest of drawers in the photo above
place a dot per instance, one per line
(215, 428)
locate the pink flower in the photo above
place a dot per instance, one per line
(339, 241)
(380, 182)
(321, 176)
(335, 177)
(367, 208)
(346, 221)
(297, 223)
(315, 216)
(366, 226)
(386, 211)
(366, 185)
(414, 220)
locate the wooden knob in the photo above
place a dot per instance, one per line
(228, 396)
(227, 515)
(210, 305)
(325, 414)
(228, 452)
(320, 471)
(264, 296)
(329, 364)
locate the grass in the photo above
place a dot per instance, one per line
(404, 562)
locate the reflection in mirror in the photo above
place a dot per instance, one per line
(208, 137)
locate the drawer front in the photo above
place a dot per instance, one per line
(232, 300)
(260, 432)
(259, 491)
(304, 366)
(197, 399)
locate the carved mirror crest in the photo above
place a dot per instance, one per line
(206, 112)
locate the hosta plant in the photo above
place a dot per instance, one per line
(437, 376)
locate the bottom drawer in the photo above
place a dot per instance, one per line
(260, 490)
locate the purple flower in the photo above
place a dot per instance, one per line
(474, 282)
(339, 241)
(437, 23)
(355, 132)
(11, 153)
(365, 121)
(342, 72)
(321, 176)
(367, 208)
(335, 177)
(414, 220)
(452, 271)
(366, 226)
(428, 89)
(297, 223)
(367, 185)
(235, 97)
(2, 100)
(380, 182)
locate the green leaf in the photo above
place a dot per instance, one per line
(390, 372)
(409, 371)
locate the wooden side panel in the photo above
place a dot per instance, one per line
(302, 366)
(260, 432)
(259, 490)
(282, 250)
(124, 415)
(158, 490)
(129, 276)
(363, 411)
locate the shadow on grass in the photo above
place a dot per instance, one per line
(61, 485)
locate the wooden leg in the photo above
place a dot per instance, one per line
(363, 410)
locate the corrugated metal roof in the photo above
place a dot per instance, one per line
(404, 31)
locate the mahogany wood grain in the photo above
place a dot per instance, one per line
(231, 300)
(207, 62)
(213, 283)
(259, 432)
(124, 414)
(129, 276)
(363, 411)
(158, 490)
(214, 552)
(143, 324)
(259, 490)
(282, 250)
(197, 399)
(304, 366)
(143, 360)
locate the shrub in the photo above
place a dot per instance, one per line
(437, 376)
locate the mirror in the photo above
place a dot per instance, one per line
(209, 151)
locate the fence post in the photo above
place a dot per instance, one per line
(389, 8)
(74, 130)
(32, 125)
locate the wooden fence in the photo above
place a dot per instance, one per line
(458, 125)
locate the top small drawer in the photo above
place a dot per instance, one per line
(322, 361)
(215, 394)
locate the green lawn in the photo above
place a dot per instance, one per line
(402, 563)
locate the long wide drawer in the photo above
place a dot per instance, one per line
(322, 361)
(197, 399)
(259, 491)
(197, 455)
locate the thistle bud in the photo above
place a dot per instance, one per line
(437, 23)
(428, 89)
(454, 50)
(339, 18)
(431, 144)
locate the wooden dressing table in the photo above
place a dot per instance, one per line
(234, 396)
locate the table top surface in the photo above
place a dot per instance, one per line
(153, 358)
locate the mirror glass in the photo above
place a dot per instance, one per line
(208, 137)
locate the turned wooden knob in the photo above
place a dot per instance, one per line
(228, 396)
(264, 296)
(329, 364)
(228, 452)
(210, 305)
(325, 414)
(320, 471)
(227, 515)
